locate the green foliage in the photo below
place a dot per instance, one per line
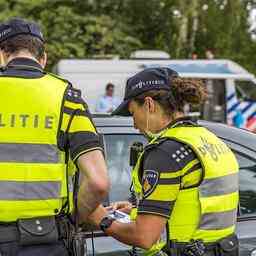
(85, 28)
(73, 32)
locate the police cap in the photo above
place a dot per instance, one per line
(158, 78)
(18, 26)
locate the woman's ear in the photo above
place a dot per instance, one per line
(3, 59)
(149, 104)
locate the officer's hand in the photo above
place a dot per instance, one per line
(123, 206)
(97, 215)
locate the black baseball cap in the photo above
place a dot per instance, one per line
(18, 26)
(149, 79)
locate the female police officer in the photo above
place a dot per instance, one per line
(186, 178)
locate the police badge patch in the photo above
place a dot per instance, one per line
(149, 181)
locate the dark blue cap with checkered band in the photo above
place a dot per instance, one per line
(148, 79)
(18, 26)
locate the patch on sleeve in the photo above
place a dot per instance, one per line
(149, 181)
(72, 92)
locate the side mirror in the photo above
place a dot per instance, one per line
(135, 149)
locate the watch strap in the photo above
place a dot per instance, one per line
(106, 222)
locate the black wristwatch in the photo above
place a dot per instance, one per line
(106, 223)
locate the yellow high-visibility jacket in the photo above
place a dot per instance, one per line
(208, 211)
(33, 180)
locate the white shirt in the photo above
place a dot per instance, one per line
(107, 104)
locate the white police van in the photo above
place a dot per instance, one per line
(231, 88)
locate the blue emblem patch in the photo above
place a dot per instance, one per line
(149, 181)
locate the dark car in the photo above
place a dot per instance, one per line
(118, 135)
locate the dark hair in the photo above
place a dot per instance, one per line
(24, 42)
(183, 91)
(109, 85)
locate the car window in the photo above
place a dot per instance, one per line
(117, 148)
(247, 188)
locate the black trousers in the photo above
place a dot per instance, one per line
(13, 249)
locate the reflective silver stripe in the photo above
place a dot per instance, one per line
(29, 153)
(70, 184)
(218, 220)
(219, 186)
(36, 190)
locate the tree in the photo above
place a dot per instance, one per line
(71, 32)
(85, 28)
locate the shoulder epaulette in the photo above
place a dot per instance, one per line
(73, 92)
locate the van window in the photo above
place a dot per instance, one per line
(245, 90)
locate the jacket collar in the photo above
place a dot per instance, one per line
(24, 62)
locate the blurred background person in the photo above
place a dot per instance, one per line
(107, 103)
(194, 56)
(209, 54)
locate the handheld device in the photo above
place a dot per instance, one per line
(120, 216)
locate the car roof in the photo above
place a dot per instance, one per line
(105, 120)
(241, 137)
(108, 124)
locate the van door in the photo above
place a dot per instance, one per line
(241, 104)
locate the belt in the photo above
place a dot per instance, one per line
(228, 244)
(9, 233)
(178, 248)
(182, 245)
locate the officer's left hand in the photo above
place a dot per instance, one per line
(97, 215)
(123, 206)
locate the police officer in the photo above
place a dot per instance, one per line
(45, 132)
(186, 179)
